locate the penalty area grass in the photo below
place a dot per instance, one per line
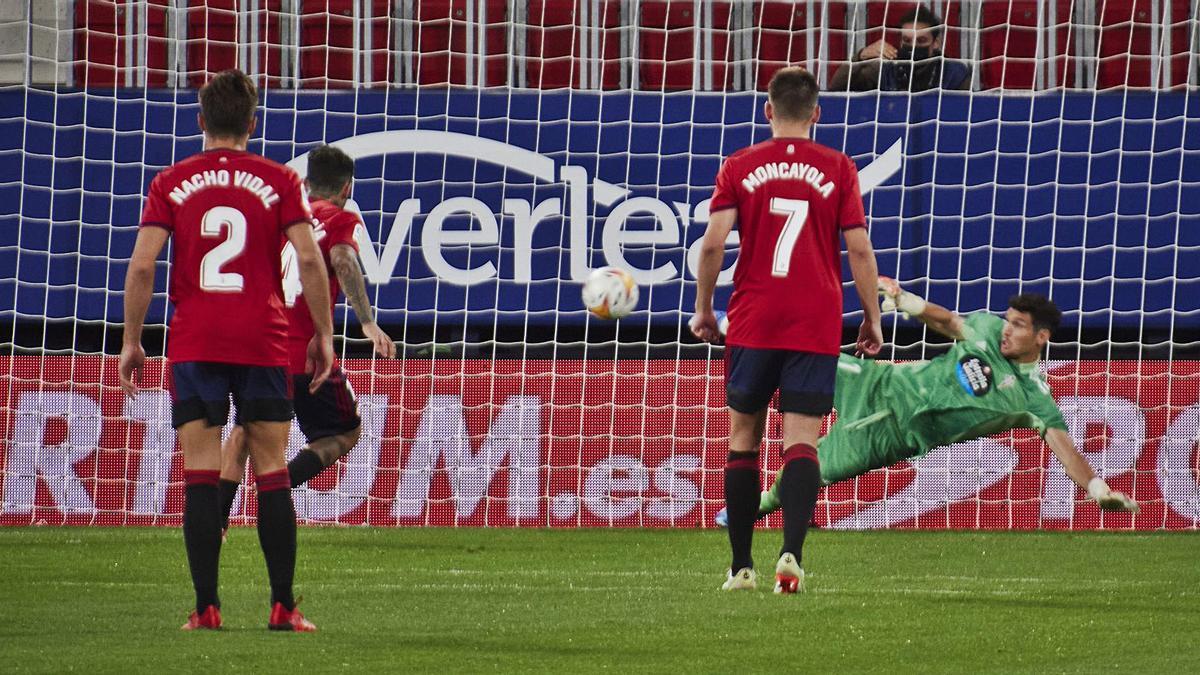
(455, 600)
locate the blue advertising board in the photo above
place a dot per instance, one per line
(486, 207)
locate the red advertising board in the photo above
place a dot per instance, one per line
(573, 443)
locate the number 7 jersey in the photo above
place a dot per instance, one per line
(793, 199)
(227, 212)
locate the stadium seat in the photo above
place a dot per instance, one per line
(783, 31)
(1126, 46)
(554, 48)
(441, 30)
(1009, 48)
(667, 48)
(99, 45)
(212, 40)
(327, 45)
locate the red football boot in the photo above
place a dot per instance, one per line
(293, 620)
(209, 619)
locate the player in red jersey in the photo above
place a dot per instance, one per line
(791, 199)
(328, 417)
(227, 211)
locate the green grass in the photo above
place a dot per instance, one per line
(423, 600)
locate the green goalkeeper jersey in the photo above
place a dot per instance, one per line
(969, 392)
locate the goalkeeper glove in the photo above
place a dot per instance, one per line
(1109, 499)
(895, 298)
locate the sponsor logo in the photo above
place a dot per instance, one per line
(974, 375)
(578, 214)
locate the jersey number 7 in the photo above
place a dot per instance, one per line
(796, 212)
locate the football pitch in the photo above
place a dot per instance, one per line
(469, 600)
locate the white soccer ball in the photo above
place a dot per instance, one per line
(610, 293)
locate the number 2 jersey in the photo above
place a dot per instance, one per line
(227, 211)
(793, 197)
(968, 392)
(333, 226)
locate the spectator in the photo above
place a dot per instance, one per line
(917, 66)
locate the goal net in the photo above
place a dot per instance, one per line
(505, 148)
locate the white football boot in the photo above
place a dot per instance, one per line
(789, 576)
(745, 580)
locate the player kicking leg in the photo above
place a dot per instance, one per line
(329, 420)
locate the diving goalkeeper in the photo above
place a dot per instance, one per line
(987, 383)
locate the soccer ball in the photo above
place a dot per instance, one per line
(610, 293)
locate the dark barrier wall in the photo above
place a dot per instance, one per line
(1092, 198)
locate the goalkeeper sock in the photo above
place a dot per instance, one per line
(226, 492)
(742, 485)
(202, 534)
(305, 467)
(277, 534)
(769, 502)
(800, 480)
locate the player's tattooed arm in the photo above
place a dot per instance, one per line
(349, 275)
(345, 265)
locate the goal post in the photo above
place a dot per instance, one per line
(503, 149)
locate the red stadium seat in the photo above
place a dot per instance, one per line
(1009, 45)
(667, 47)
(99, 47)
(1126, 44)
(783, 31)
(327, 45)
(554, 46)
(441, 38)
(212, 40)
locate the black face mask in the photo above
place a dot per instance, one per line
(910, 53)
(912, 74)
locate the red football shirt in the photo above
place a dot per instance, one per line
(334, 225)
(226, 211)
(794, 197)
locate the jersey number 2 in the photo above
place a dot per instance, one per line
(211, 225)
(796, 212)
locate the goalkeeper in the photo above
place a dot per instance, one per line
(987, 383)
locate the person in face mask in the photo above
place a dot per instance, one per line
(916, 66)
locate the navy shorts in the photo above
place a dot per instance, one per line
(804, 380)
(201, 391)
(331, 411)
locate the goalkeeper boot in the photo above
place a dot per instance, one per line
(768, 503)
(209, 619)
(745, 580)
(286, 619)
(789, 576)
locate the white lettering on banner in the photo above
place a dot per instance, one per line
(1177, 476)
(682, 492)
(28, 458)
(153, 407)
(434, 238)
(514, 434)
(613, 487)
(524, 222)
(947, 474)
(1128, 433)
(615, 237)
(361, 465)
(665, 240)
